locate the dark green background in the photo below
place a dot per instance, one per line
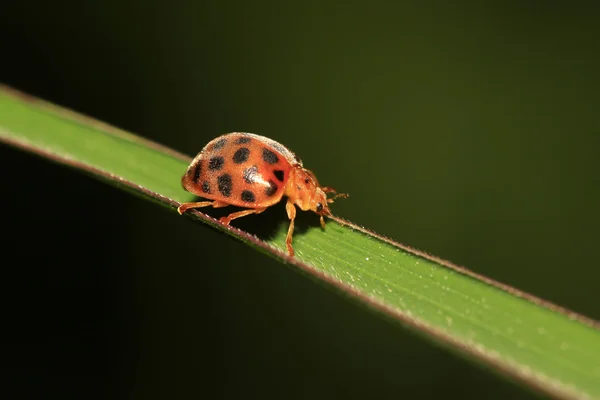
(469, 131)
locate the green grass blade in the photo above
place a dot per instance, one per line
(543, 346)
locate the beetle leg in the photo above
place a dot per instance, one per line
(199, 204)
(291, 212)
(328, 189)
(342, 195)
(322, 222)
(226, 220)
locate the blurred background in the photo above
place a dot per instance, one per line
(466, 130)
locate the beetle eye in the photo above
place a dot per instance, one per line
(319, 207)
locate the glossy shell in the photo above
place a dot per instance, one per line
(241, 169)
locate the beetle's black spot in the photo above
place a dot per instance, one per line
(225, 185)
(216, 163)
(250, 174)
(243, 140)
(241, 155)
(206, 187)
(271, 189)
(248, 196)
(279, 174)
(269, 157)
(307, 181)
(197, 172)
(219, 144)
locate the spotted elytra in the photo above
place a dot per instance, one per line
(247, 170)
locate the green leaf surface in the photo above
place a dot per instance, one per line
(541, 345)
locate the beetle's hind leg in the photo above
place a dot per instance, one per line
(199, 204)
(226, 220)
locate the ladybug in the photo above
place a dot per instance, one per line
(255, 172)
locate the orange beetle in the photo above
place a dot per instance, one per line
(252, 171)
